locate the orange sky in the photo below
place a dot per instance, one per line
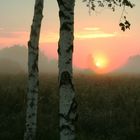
(97, 36)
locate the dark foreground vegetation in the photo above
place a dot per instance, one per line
(109, 107)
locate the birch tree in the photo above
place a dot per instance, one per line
(67, 103)
(33, 80)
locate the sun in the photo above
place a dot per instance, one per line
(100, 62)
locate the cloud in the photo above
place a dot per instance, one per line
(11, 34)
(49, 37)
(21, 37)
(90, 33)
(85, 33)
(94, 35)
(8, 38)
(91, 29)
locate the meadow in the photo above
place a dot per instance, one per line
(108, 107)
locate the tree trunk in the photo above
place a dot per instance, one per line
(33, 80)
(67, 103)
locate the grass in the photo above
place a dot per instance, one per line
(108, 107)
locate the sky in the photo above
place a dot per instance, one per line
(99, 43)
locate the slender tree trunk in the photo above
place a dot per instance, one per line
(67, 105)
(33, 80)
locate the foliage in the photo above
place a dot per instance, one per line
(109, 107)
(112, 4)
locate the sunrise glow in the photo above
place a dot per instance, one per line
(99, 43)
(100, 62)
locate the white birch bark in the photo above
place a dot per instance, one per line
(67, 103)
(33, 80)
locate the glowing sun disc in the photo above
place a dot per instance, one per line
(98, 64)
(100, 61)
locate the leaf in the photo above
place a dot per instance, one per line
(109, 5)
(123, 28)
(121, 24)
(127, 23)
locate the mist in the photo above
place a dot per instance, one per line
(14, 60)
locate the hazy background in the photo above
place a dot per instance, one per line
(14, 60)
(98, 33)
